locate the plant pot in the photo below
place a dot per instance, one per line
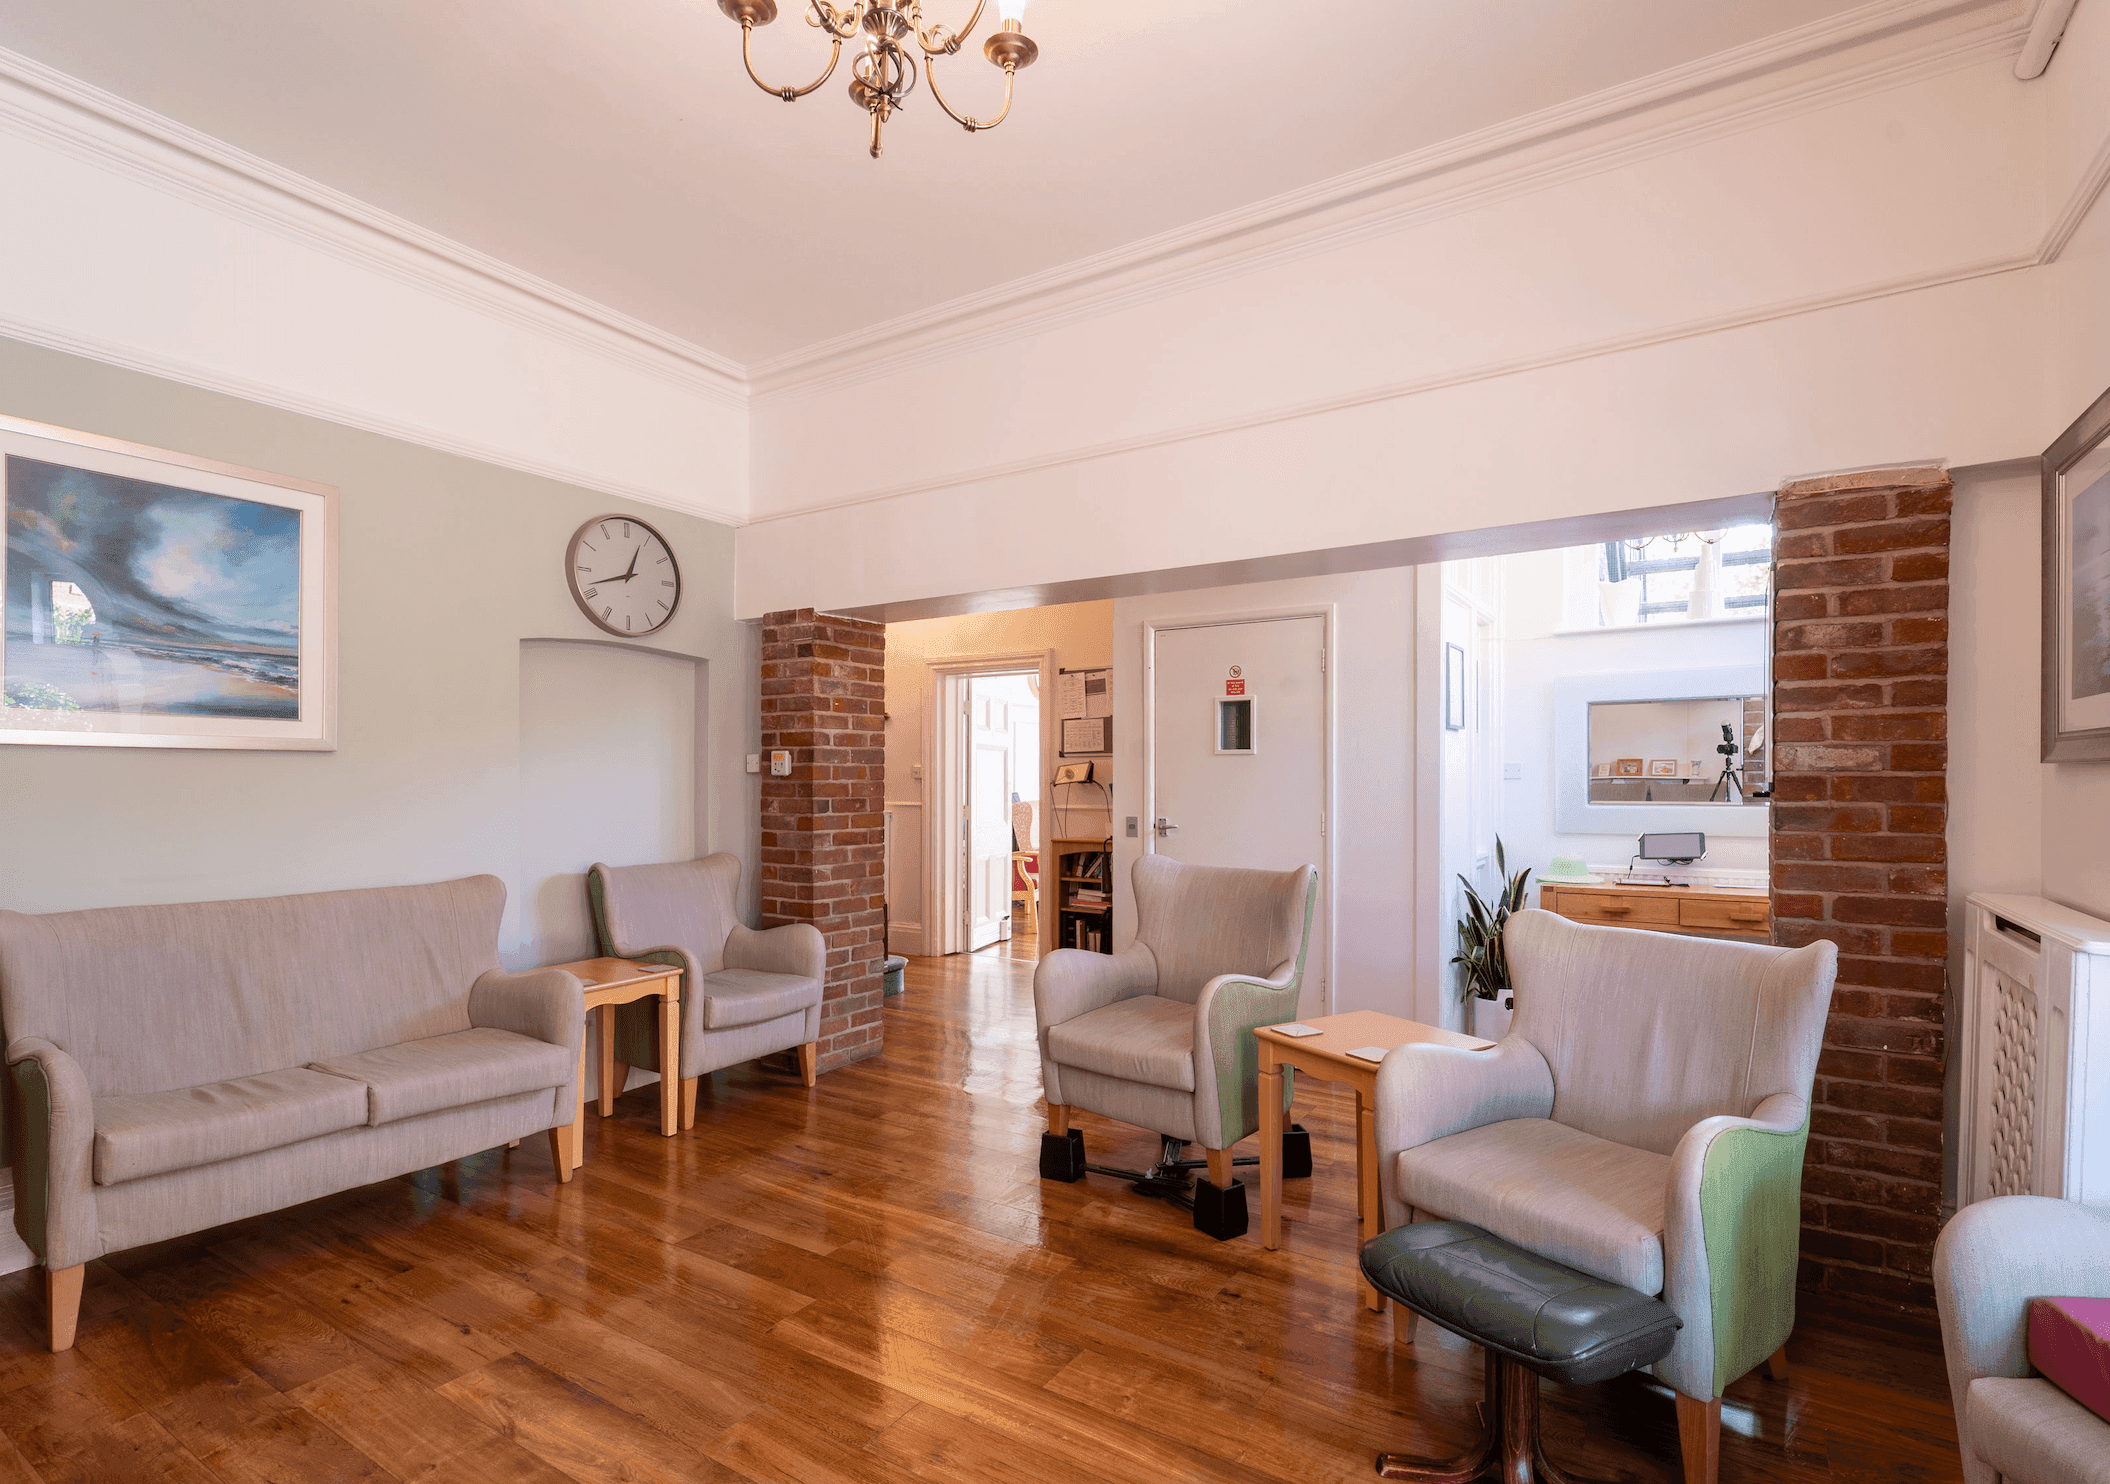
(1490, 1019)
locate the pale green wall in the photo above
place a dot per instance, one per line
(444, 566)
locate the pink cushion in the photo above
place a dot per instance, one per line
(2069, 1344)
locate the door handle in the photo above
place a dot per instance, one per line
(1163, 827)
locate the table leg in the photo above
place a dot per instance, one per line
(578, 1122)
(669, 1062)
(1369, 1205)
(607, 1078)
(1270, 1157)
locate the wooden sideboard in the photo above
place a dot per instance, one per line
(1697, 911)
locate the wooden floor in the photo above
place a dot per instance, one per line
(867, 1282)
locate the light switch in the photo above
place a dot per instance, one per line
(1512, 771)
(1131, 826)
(754, 762)
(780, 763)
(915, 771)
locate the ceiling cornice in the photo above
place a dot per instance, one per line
(62, 112)
(1650, 115)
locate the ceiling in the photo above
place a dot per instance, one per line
(617, 148)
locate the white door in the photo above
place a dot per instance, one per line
(1238, 757)
(991, 770)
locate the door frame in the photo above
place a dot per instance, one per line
(945, 783)
(1330, 664)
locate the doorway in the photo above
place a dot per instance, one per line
(1002, 804)
(1238, 756)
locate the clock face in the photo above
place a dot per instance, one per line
(623, 575)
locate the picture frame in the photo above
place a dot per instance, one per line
(1627, 767)
(158, 599)
(1453, 687)
(2076, 596)
(1663, 767)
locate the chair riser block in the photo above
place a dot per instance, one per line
(1219, 1210)
(1062, 1156)
(1296, 1153)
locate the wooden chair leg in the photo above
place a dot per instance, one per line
(563, 1151)
(809, 1062)
(1058, 1118)
(688, 1101)
(62, 1304)
(1700, 1438)
(1777, 1365)
(1219, 1168)
(512, 1143)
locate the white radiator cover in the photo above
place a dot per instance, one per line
(2035, 1049)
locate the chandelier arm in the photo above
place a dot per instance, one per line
(747, 55)
(967, 122)
(958, 37)
(840, 25)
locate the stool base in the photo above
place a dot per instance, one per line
(1511, 1453)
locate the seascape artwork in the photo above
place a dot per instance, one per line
(126, 596)
(2089, 584)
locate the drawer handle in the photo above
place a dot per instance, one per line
(1615, 911)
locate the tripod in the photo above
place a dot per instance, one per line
(1729, 785)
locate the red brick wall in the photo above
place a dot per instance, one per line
(1860, 698)
(823, 685)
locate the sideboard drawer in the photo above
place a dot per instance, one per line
(1636, 911)
(1719, 915)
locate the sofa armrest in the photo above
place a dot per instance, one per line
(547, 1004)
(55, 1161)
(1990, 1261)
(794, 948)
(1732, 1228)
(1071, 982)
(1427, 1092)
(1227, 1057)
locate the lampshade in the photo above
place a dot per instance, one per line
(1011, 10)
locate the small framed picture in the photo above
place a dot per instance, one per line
(2077, 589)
(1454, 687)
(1627, 767)
(1662, 767)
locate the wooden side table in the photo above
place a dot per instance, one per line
(610, 982)
(1325, 1056)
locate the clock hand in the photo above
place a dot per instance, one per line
(633, 563)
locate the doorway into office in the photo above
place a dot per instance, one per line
(987, 819)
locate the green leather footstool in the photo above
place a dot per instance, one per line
(1532, 1316)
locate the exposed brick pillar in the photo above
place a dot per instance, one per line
(824, 699)
(1860, 697)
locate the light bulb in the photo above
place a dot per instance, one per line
(1011, 10)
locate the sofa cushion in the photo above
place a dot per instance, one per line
(749, 996)
(2069, 1344)
(151, 1133)
(2031, 1432)
(1557, 1191)
(1146, 1039)
(449, 1071)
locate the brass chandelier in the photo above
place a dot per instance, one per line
(882, 73)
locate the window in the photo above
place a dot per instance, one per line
(1660, 578)
(72, 615)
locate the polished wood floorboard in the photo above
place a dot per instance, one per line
(864, 1282)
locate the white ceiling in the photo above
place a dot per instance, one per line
(617, 148)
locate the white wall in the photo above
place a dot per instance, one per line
(1081, 637)
(1372, 665)
(1536, 654)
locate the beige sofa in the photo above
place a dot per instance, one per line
(172, 1068)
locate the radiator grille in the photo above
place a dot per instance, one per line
(2012, 1139)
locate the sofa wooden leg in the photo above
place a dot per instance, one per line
(1700, 1438)
(688, 1101)
(62, 1304)
(1219, 1167)
(1777, 1365)
(512, 1143)
(1058, 1118)
(562, 1149)
(810, 1062)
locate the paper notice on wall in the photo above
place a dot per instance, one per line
(1085, 735)
(1069, 693)
(1098, 693)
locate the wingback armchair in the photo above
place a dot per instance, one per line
(1644, 1122)
(744, 993)
(1160, 1035)
(1997, 1255)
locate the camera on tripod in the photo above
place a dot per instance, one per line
(1729, 786)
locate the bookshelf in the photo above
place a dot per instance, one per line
(1084, 898)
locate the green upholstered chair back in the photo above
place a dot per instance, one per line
(1647, 1033)
(689, 905)
(1202, 921)
(149, 999)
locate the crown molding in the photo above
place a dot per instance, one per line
(1649, 116)
(62, 112)
(169, 368)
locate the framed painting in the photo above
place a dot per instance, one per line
(154, 599)
(2077, 589)
(1627, 767)
(1453, 688)
(1663, 767)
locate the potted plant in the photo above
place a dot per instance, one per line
(1486, 967)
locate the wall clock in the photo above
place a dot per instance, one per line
(623, 575)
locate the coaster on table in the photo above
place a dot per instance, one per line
(1370, 1053)
(1297, 1028)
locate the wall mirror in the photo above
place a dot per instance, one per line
(1693, 752)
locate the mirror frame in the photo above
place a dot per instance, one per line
(1573, 812)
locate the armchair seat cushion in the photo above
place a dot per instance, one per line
(1580, 1200)
(750, 996)
(1144, 1038)
(152, 1133)
(2031, 1432)
(450, 1071)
